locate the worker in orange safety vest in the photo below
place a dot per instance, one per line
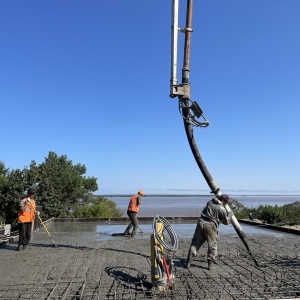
(25, 219)
(132, 211)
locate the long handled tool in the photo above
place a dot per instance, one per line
(140, 229)
(14, 223)
(37, 213)
(189, 109)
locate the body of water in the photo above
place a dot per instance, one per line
(191, 206)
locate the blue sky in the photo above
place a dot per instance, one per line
(90, 80)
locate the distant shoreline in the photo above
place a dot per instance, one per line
(152, 195)
(202, 195)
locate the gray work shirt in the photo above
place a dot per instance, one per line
(215, 212)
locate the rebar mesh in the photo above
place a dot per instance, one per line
(236, 277)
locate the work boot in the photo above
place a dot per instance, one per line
(189, 258)
(126, 232)
(211, 265)
(19, 248)
(188, 261)
(133, 233)
(25, 247)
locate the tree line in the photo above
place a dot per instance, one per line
(62, 189)
(288, 214)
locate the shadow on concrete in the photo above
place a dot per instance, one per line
(125, 251)
(10, 247)
(131, 278)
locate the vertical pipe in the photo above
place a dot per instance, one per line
(174, 43)
(187, 43)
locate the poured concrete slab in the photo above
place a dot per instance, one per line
(90, 264)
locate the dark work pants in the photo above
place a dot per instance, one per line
(205, 232)
(134, 223)
(25, 233)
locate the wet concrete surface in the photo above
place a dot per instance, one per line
(103, 230)
(91, 264)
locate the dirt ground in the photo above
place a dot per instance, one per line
(120, 268)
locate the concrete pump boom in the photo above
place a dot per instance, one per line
(189, 109)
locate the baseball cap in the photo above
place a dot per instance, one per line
(30, 191)
(224, 197)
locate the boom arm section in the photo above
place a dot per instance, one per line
(189, 109)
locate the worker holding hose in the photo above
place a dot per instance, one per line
(132, 211)
(207, 229)
(25, 219)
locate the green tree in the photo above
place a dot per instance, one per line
(12, 186)
(277, 215)
(60, 183)
(292, 212)
(3, 189)
(270, 214)
(239, 210)
(96, 207)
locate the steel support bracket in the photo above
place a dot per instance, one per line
(181, 90)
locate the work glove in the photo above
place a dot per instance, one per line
(38, 213)
(28, 200)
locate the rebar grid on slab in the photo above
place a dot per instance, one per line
(236, 277)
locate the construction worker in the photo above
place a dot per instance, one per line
(207, 229)
(25, 219)
(132, 211)
(251, 217)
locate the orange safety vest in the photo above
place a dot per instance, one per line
(133, 205)
(27, 215)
